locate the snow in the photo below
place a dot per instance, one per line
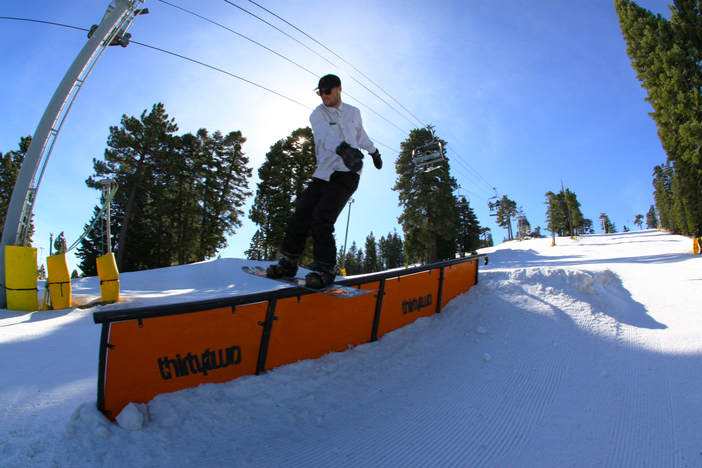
(584, 354)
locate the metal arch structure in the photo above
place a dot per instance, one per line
(112, 30)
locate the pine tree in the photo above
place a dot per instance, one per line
(283, 177)
(179, 195)
(370, 264)
(607, 226)
(663, 195)
(257, 250)
(555, 214)
(468, 228)
(351, 262)
(575, 216)
(666, 56)
(391, 251)
(129, 160)
(639, 221)
(506, 211)
(651, 218)
(93, 245)
(486, 238)
(429, 207)
(10, 165)
(222, 187)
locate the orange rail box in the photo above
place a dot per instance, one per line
(148, 351)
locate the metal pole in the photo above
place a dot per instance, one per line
(348, 220)
(107, 230)
(19, 213)
(107, 186)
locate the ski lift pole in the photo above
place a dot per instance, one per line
(107, 187)
(112, 29)
(343, 255)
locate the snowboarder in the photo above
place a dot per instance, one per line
(338, 135)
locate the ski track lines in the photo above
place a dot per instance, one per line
(645, 404)
(488, 414)
(465, 409)
(597, 378)
(663, 382)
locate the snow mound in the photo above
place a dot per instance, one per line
(133, 417)
(590, 298)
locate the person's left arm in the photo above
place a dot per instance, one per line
(362, 139)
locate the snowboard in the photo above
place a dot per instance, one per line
(334, 290)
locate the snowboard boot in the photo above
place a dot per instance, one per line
(285, 268)
(321, 276)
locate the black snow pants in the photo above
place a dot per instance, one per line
(317, 210)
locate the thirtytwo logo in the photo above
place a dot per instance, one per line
(416, 304)
(192, 364)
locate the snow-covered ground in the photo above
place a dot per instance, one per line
(584, 354)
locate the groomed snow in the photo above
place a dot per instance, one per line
(584, 354)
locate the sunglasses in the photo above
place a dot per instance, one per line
(326, 91)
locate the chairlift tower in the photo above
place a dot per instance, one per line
(523, 226)
(112, 30)
(107, 186)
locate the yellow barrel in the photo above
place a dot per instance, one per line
(59, 281)
(109, 278)
(21, 278)
(695, 246)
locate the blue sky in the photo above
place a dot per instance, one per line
(528, 94)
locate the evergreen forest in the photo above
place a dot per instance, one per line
(667, 57)
(179, 195)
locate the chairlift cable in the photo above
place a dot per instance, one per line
(221, 71)
(276, 53)
(358, 71)
(238, 34)
(321, 56)
(340, 58)
(459, 160)
(43, 22)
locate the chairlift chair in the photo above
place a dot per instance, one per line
(493, 206)
(429, 154)
(459, 197)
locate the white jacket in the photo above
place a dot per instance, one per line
(332, 126)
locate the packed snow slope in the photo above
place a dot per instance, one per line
(584, 354)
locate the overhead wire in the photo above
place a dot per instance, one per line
(221, 71)
(170, 53)
(187, 59)
(276, 53)
(43, 22)
(464, 164)
(319, 55)
(459, 159)
(340, 58)
(237, 33)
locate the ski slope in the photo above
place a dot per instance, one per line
(584, 354)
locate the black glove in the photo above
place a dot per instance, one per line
(352, 157)
(377, 162)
